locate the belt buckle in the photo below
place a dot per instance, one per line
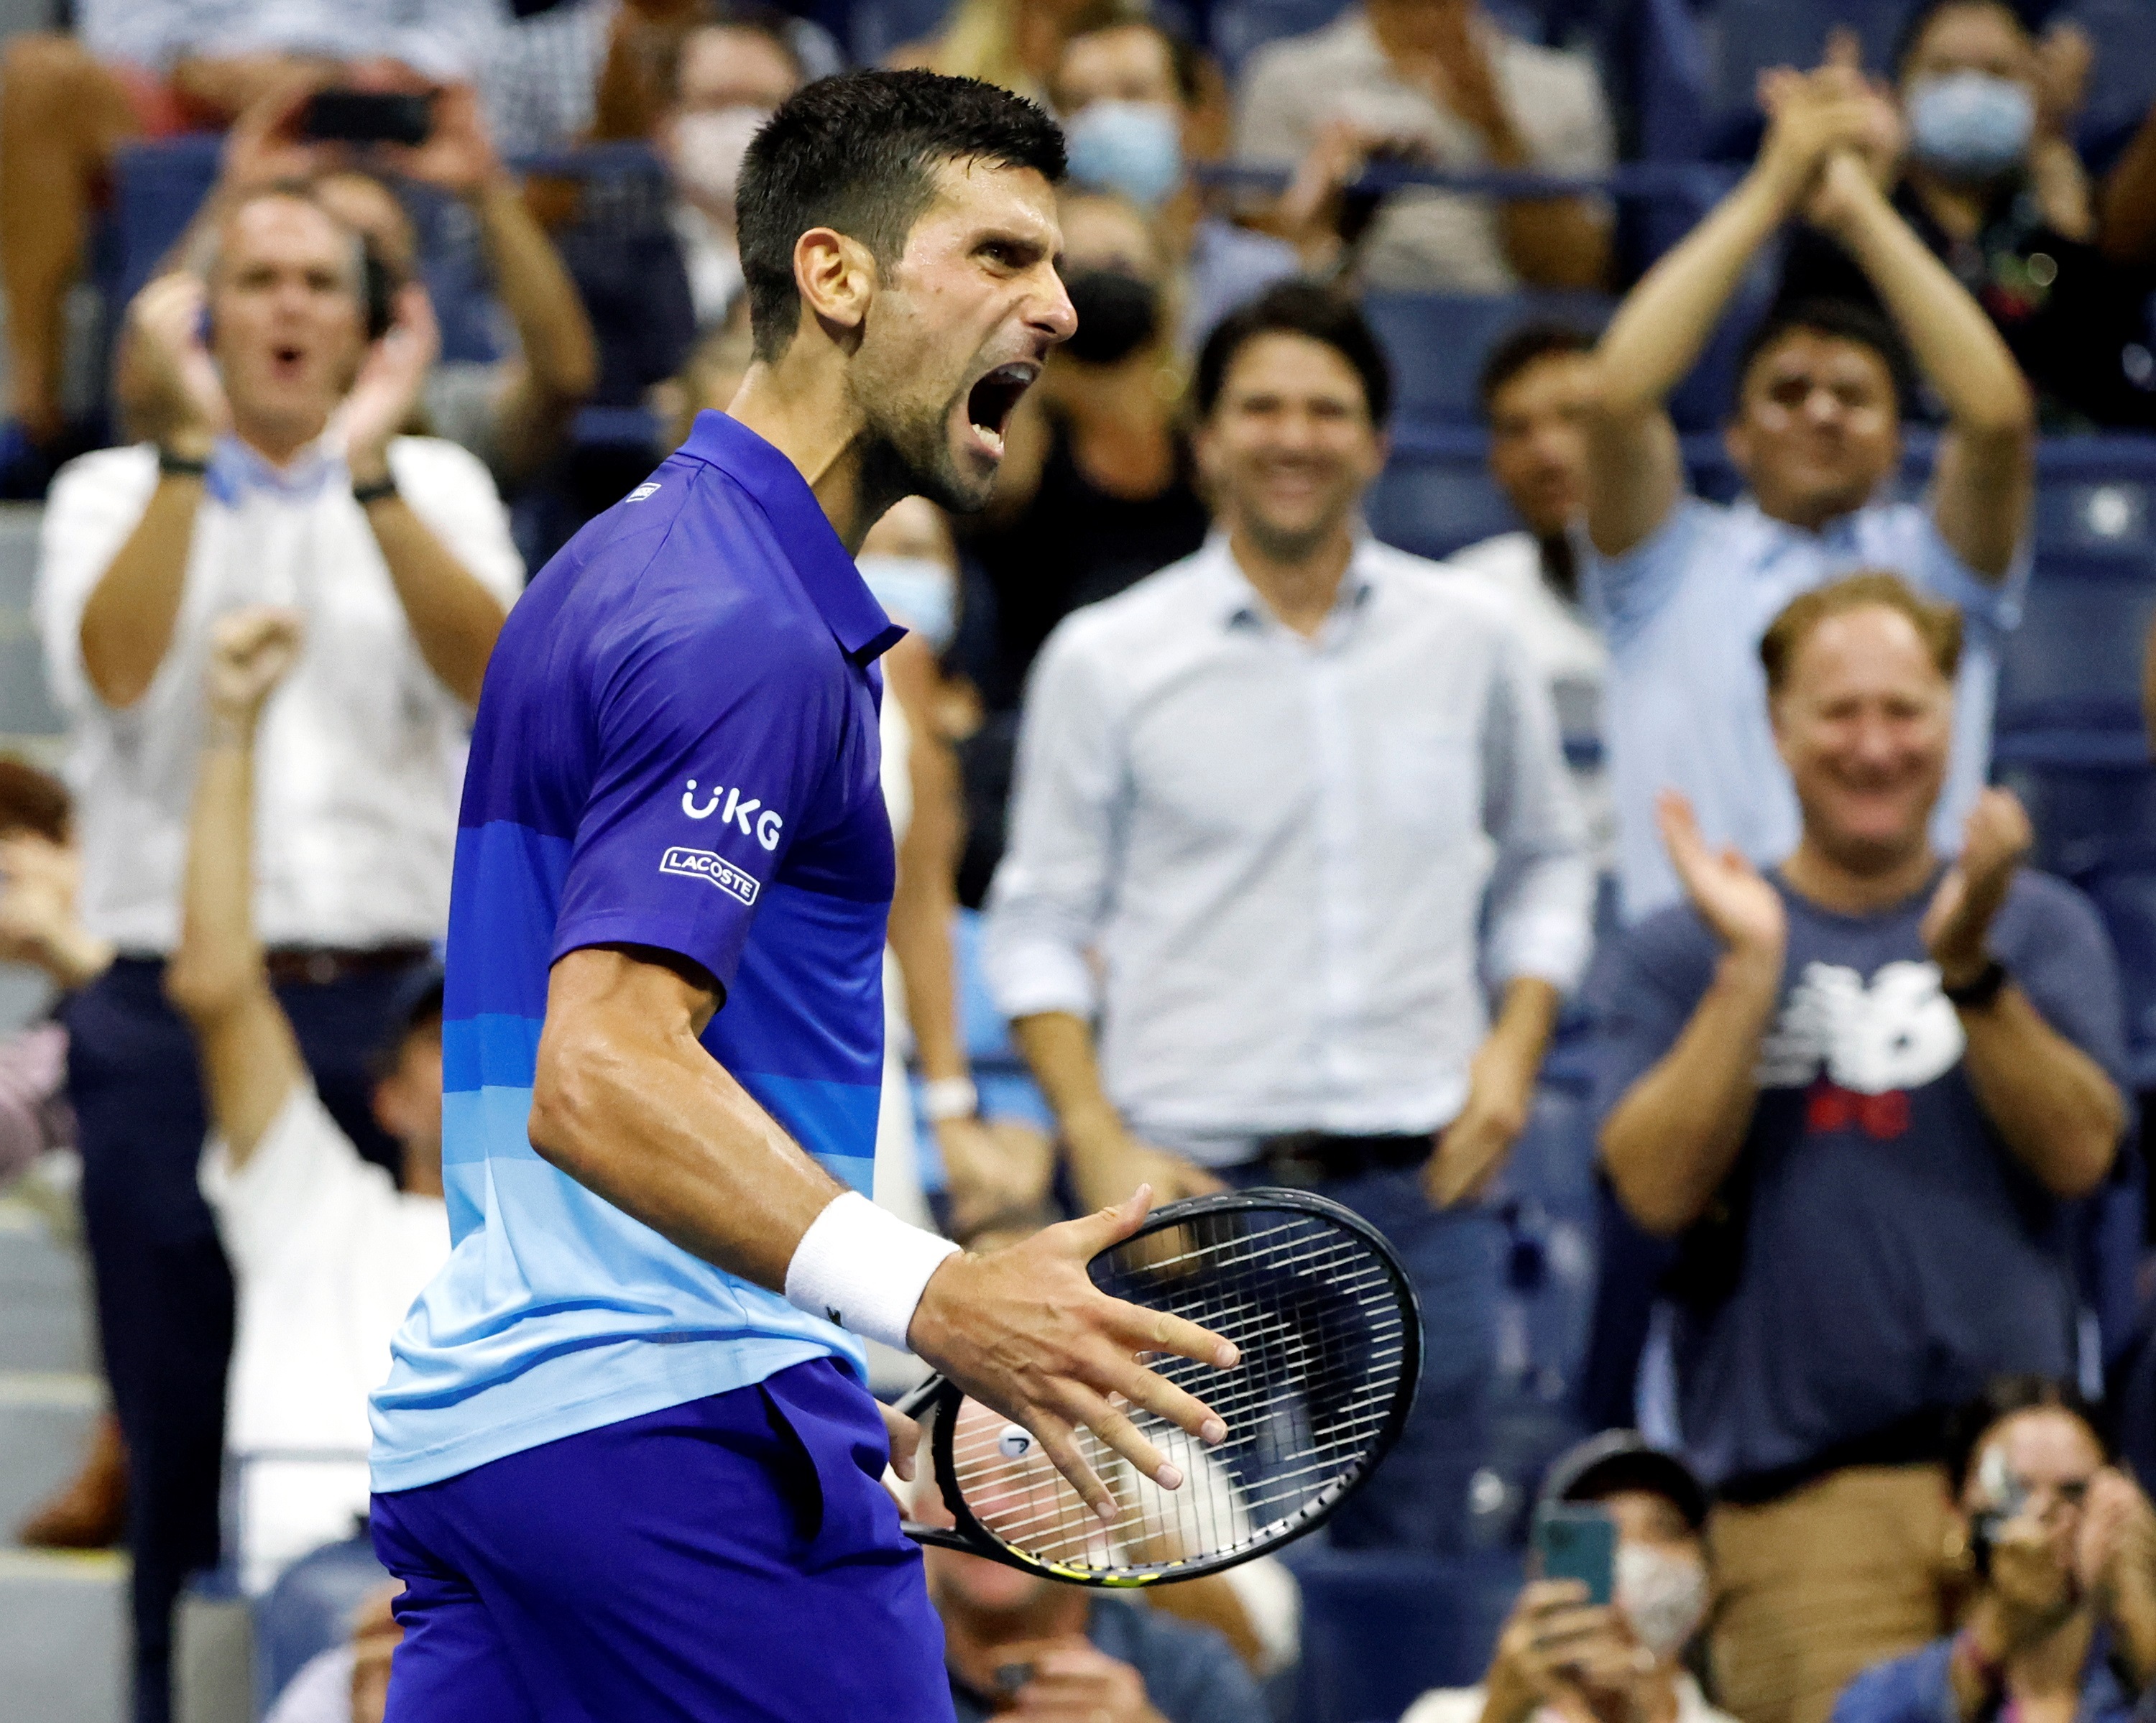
(1296, 1160)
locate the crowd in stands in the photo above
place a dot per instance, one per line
(1236, 846)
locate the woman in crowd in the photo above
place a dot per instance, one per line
(2061, 1545)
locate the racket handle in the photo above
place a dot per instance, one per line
(917, 1400)
(942, 1536)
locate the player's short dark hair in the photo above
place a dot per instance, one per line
(859, 153)
(1296, 308)
(1841, 320)
(1184, 63)
(1918, 23)
(1525, 347)
(2003, 1396)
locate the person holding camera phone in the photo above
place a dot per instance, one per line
(1599, 1636)
(2061, 1544)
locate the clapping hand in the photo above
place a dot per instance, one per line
(250, 651)
(388, 387)
(182, 389)
(1739, 906)
(1995, 841)
(1814, 117)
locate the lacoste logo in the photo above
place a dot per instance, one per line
(702, 864)
(643, 490)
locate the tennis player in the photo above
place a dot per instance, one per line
(624, 1463)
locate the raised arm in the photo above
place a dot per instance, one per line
(1984, 483)
(127, 620)
(2058, 1113)
(560, 362)
(453, 618)
(1669, 1142)
(250, 1061)
(1635, 474)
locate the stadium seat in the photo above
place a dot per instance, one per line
(2126, 898)
(308, 1610)
(1378, 1629)
(1432, 504)
(1239, 28)
(1437, 342)
(2071, 671)
(2123, 74)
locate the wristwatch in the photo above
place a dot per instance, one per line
(1975, 995)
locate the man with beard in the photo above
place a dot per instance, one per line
(624, 1463)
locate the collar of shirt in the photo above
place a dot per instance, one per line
(833, 585)
(1241, 605)
(1838, 538)
(235, 470)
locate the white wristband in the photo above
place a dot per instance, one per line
(863, 1269)
(946, 1098)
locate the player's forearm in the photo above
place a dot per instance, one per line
(2058, 1112)
(644, 1117)
(1671, 1141)
(455, 620)
(127, 622)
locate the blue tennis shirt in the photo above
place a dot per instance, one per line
(676, 747)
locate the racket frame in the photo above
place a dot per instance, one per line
(935, 1403)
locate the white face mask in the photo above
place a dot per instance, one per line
(917, 593)
(708, 148)
(1663, 1595)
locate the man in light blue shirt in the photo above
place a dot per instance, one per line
(1686, 587)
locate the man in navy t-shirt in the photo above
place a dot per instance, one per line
(625, 1463)
(1862, 1091)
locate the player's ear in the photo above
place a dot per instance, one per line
(836, 278)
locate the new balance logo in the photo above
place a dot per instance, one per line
(702, 864)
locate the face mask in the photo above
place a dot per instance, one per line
(708, 149)
(1971, 126)
(1135, 148)
(1662, 1595)
(1117, 314)
(918, 592)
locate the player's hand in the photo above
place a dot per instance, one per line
(250, 651)
(904, 1434)
(1074, 1681)
(1025, 1332)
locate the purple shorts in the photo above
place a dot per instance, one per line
(736, 1557)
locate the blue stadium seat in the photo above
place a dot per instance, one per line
(2074, 664)
(308, 1610)
(2122, 77)
(1748, 36)
(1433, 503)
(1437, 342)
(2089, 816)
(1379, 1629)
(1239, 28)
(2126, 897)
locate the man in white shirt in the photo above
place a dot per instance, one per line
(280, 480)
(1537, 389)
(1266, 800)
(327, 1253)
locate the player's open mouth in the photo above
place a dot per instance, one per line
(992, 401)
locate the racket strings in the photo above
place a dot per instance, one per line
(1320, 1323)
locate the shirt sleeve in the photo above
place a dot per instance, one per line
(1644, 988)
(703, 780)
(96, 503)
(148, 33)
(1992, 606)
(1914, 1689)
(2053, 942)
(1540, 914)
(1193, 1675)
(1625, 593)
(304, 1184)
(1051, 890)
(1569, 122)
(1273, 126)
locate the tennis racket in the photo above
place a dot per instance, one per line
(1330, 1339)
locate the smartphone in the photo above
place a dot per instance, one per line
(368, 116)
(1574, 1540)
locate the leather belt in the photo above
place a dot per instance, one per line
(1302, 1158)
(319, 966)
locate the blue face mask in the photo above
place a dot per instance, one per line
(1135, 148)
(918, 592)
(1970, 126)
